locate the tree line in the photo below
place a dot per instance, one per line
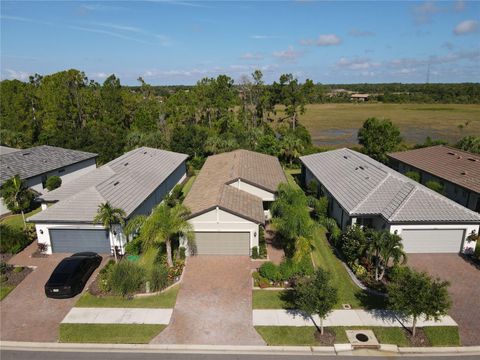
(69, 110)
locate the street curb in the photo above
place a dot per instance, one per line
(337, 349)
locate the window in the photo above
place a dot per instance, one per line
(61, 171)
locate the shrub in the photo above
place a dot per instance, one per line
(103, 277)
(413, 175)
(288, 270)
(255, 254)
(158, 278)
(125, 278)
(353, 243)
(312, 188)
(175, 196)
(477, 250)
(359, 270)
(134, 247)
(181, 253)
(13, 240)
(435, 186)
(269, 271)
(53, 182)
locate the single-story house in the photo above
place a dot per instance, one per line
(135, 182)
(229, 199)
(363, 191)
(457, 170)
(35, 165)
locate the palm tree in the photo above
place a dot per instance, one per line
(108, 216)
(291, 148)
(163, 225)
(17, 196)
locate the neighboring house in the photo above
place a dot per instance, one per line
(457, 170)
(35, 165)
(135, 182)
(359, 97)
(366, 192)
(229, 199)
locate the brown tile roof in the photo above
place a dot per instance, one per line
(211, 188)
(451, 164)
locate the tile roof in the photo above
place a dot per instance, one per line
(364, 186)
(7, 150)
(211, 188)
(125, 182)
(454, 165)
(38, 160)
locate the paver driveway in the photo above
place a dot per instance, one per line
(464, 289)
(26, 313)
(214, 305)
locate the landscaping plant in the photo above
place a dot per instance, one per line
(416, 294)
(13, 240)
(125, 278)
(53, 182)
(108, 216)
(315, 295)
(17, 196)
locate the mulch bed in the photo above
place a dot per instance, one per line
(14, 278)
(4, 257)
(327, 339)
(419, 340)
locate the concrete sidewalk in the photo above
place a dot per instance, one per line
(118, 316)
(341, 318)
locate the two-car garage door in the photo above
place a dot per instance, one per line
(78, 240)
(222, 243)
(432, 240)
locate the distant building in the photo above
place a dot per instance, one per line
(458, 171)
(359, 97)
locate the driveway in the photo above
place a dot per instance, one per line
(26, 313)
(214, 304)
(464, 289)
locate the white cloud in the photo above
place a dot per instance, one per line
(360, 33)
(357, 64)
(252, 56)
(323, 40)
(466, 27)
(289, 54)
(15, 74)
(422, 14)
(264, 37)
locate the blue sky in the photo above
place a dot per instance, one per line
(180, 42)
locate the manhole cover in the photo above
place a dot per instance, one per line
(362, 337)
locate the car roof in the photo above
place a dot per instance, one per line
(69, 264)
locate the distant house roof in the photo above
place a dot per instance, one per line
(363, 186)
(359, 96)
(7, 150)
(212, 189)
(456, 166)
(38, 160)
(125, 182)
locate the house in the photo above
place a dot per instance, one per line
(365, 192)
(35, 165)
(135, 182)
(458, 171)
(359, 97)
(229, 199)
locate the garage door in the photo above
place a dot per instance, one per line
(77, 240)
(222, 243)
(432, 241)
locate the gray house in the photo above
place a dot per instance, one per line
(35, 165)
(366, 192)
(456, 170)
(135, 182)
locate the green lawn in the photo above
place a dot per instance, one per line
(109, 333)
(164, 300)
(188, 185)
(5, 290)
(305, 335)
(17, 221)
(267, 299)
(442, 335)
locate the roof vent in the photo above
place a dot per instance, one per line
(345, 157)
(144, 153)
(459, 157)
(25, 153)
(361, 167)
(125, 164)
(472, 159)
(116, 183)
(464, 172)
(451, 153)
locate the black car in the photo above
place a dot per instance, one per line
(71, 275)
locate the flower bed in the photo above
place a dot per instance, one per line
(270, 275)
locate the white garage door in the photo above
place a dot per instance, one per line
(222, 243)
(432, 240)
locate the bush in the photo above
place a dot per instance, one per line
(413, 175)
(134, 247)
(255, 254)
(435, 186)
(103, 277)
(53, 182)
(353, 243)
(125, 278)
(158, 278)
(288, 270)
(312, 188)
(181, 253)
(269, 271)
(13, 240)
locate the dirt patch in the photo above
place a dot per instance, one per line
(15, 275)
(4, 257)
(327, 339)
(420, 339)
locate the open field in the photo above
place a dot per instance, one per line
(336, 125)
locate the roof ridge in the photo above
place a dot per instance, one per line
(412, 191)
(370, 194)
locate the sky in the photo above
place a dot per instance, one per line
(181, 42)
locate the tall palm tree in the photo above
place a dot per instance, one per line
(108, 216)
(163, 225)
(392, 250)
(17, 196)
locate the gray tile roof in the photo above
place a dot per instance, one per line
(125, 182)
(211, 188)
(38, 160)
(364, 186)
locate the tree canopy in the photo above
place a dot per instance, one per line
(378, 138)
